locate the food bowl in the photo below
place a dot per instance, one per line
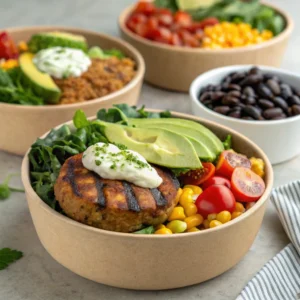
(174, 67)
(150, 262)
(21, 125)
(279, 139)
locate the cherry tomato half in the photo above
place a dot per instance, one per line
(216, 180)
(215, 199)
(183, 18)
(196, 177)
(8, 48)
(246, 185)
(228, 161)
(145, 7)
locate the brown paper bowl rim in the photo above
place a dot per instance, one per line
(269, 183)
(283, 35)
(133, 52)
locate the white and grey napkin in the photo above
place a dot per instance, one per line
(279, 279)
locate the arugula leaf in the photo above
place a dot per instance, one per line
(8, 256)
(147, 230)
(53, 135)
(5, 189)
(80, 120)
(228, 142)
(114, 52)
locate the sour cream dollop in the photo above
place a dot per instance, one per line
(60, 62)
(110, 162)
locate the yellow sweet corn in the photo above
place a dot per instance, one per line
(9, 64)
(258, 166)
(229, 35)
(22, 46)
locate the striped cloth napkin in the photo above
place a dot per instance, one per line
(279, 279)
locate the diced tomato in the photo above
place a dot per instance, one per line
(138, 18)
(188, 38)
(162, 35)
(152, 24)
(8, 48)
(183, 18)
(145, 7)
(246, 185)
(175, 40)
(164, 17)
(228, 161)
(201, 25)
(196, 177)
(216, 180)
(142, 29)
(215, 199)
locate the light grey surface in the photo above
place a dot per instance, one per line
(37, 275)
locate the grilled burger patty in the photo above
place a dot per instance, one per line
(114, 205)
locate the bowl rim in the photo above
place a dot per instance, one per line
(196, 85)
(286, 32)
(138, 58)
(30, 193)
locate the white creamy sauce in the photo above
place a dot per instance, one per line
(110, 162)
(60, 62)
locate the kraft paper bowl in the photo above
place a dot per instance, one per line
(21, 125)
(150, 262)
(174, 67)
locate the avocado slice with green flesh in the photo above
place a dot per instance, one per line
(157, 146)
(189, 129)
(41, 83)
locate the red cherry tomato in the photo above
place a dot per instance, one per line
(215, 199)
(164, 17)
(162, 35)
(8, 48)
(216, 180)
(183, 18)
(246, 185)
(138, 18)
(142, 29)
(175, 40)
(196, 177)
(145, 7)
(228, 161)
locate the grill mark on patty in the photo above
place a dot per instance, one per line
(174, 180)
(158, 197)
(130, 197)
(100, 195)
(70, 177)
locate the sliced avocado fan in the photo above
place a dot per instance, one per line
(157, 146)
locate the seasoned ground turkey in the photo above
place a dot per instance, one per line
(103, 77)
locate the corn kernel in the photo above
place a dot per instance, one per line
(235, 214)
(211, 217)
(249, 205)
(239, 207)
(9, 64)
(196, 189)
(179, 193)
(22, 46)
(224, 216)
(258, 166)
(206, 223)
(186, 197)
(193, 221)
(190, 209)
(160, 226)
(163, 231)
(177, 214)
(177, 226)
(193, 229)
(214, 223)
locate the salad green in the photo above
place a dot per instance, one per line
(8, 256)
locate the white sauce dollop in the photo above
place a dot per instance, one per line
(108, 161)
(60, 62)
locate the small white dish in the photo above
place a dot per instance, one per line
(279, 139)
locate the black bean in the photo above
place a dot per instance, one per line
(273, 86)
(247, 118)
(235, 108)
(296, 91)
(225, 87)
(217, 88)
(293, 100)
(241, 105)
(207, 102)
(210, 88)
(264, 91)
(229, 100)
(254, 70)
(234, 87)
(205, 96)
(249, 91)
(264, 103)
(252, 112)
(286, 91)
(222, 109)
(296, 110)
(272, 77)
(250, 100)
(217, 95)
(280, 117)
(236, 94)
(235, 114)
(278, 101)
(252, 79)
(236, 77)
(272, 112)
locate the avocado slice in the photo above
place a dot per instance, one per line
(158, 146)
(46, 40)
(41, 83)
(208, 144)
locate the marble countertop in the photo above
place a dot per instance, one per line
(37, 276)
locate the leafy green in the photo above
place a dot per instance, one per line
(8, 256)
(13, 91)
(228, 142)
(114, 52)
(146, 230)
(5, 189)
(179, 171)
(97, 52)
(170, 4)
(80, 120)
